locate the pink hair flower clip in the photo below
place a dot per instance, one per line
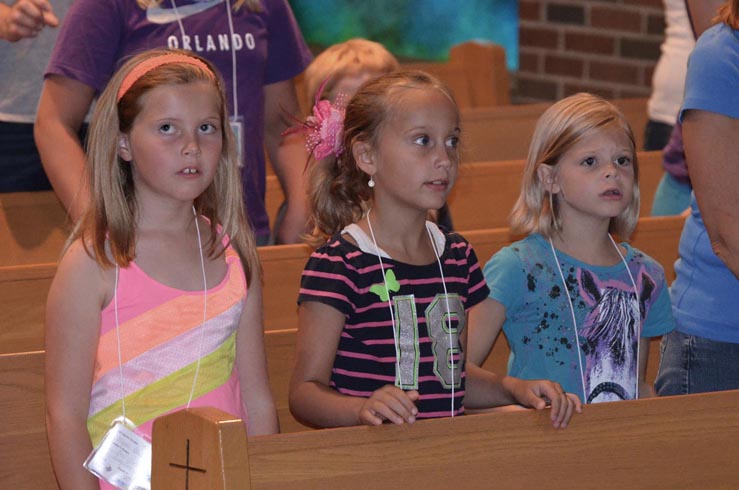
(323, 129)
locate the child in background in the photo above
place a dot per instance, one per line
(341, 69)
(383, 303)
(576, 307)
(156, 304)
(346, 66)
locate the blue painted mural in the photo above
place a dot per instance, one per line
(411, 29)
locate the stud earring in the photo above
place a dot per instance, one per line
(371, 182)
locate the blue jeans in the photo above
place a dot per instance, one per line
(656, 135)
(691, 364)
(20, 164)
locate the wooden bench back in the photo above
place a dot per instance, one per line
(485, 192)
(23, 289)
(678, 426)
(686, 442)
(476, 73)
(504, 132)
(33, 226)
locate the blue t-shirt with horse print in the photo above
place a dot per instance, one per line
(609, 319)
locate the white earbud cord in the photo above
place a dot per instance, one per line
(202, 327)
(574, 321)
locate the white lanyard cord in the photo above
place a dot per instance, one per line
(118, 341)
(233, 50)
(638, 315)
(205, 308)
(202, 327)
(389, 303)
(574, 321)
(448, 314)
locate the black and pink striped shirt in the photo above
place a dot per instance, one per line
(344, 277)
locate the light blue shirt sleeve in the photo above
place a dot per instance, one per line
(710, 84)
(504, 276)
(659, 319)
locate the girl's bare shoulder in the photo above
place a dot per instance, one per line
(79, 269)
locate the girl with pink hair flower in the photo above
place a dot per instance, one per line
(384, 300)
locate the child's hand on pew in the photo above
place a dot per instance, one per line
(389, 403)
(540, 394)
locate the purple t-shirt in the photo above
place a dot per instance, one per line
(97, 36)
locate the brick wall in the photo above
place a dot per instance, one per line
(608, 47)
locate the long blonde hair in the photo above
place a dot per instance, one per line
(560, 128)
(108, 227)
(338, 190)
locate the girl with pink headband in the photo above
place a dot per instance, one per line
(156, 305)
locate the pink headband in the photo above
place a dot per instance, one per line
(147, 65)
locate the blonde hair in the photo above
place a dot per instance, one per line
(348, 58)
(108, 225)
(251, 5)
(561, 127)
(338, 190)
(729, 14)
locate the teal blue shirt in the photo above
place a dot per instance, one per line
(539, 327)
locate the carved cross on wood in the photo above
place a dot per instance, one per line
(187, 466)
(216, 457)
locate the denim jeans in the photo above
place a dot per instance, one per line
(20, 164)
(691, 364)
(656, 135)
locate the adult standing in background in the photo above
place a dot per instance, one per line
(702, 354)
(30, 26)
(673, 193)
(256, 45)
(668, 81)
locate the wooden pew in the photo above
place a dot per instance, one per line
(504, 132)
(476, 73)
(482, 198)
(23, 445)
(658, 237)
(686, 442)
(485, 192)
(23, 289)
(677, 423)
(23, 295)
(21, 369)
(33, 228)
